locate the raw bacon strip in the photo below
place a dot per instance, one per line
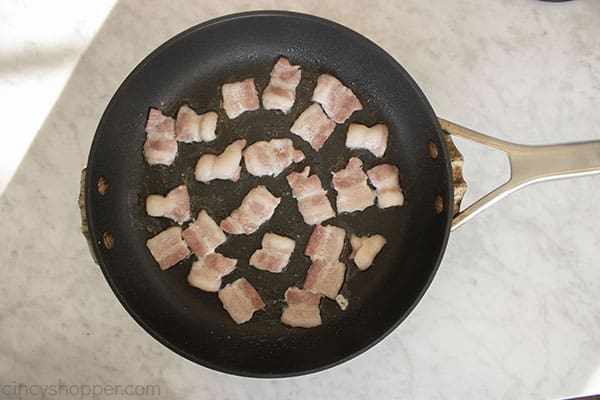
(313, 203)
(325, 278)
(175, 205)
(270, 158)
(351, 184)
(225, 166)
(240, 300)
(280, 94)
(239, 97)
(365, 249)
(275, 253)
(206, 273)
(337, 100)
(168, 248)
(313, 126)
(386, 179)
(373, 139)
(256, 208)
(191, 127)
(203, 235)
(325, 243)
(302, 310)
(160, 146)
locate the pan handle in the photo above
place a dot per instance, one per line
(528, 164)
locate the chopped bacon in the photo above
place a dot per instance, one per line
(175, 205)
(325, 243)
(207, 272)
(256, 208)
(168, 248)
(365, 249)
(239, 97)
(280, 94)
(341, 301)
(337, 100)
(325, 278)
(160, 146)
(313, 203)
(225, 166)
(302, 309)
(386, 179)
(351, 184)
(241, 300)
(191, 127)
(203, 235)
(275, 253)
(373, 139)
(270, 158)
(313, 126)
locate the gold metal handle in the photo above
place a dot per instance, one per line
(528, 164)
(457, 161)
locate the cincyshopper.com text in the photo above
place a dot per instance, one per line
(63, 390)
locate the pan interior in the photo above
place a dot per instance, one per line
(190, 69)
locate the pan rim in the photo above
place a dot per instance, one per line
(96, 241)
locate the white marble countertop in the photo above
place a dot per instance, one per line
(514, 311)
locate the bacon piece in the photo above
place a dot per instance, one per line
(160, 146)
(325, 278)
(168, 248)
(386, 179)
(225, 166)
(337, 100)
(280, 94)
(240, 300)
(365, 249)
(207, 272)
(351, 184)
(313, 126)
(203, 235)
(373, 139)
(239, 97)
(313, 203)
(341, 301)
(325, 243)
(302, 310)
(191, 127)
(175, 205)
(275, 253)
(256, 208)
(270, 158)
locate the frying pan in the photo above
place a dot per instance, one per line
(190, 68)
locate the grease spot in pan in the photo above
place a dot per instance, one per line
(102, 185)
(108, 240)
(438, 204)
(433, 150)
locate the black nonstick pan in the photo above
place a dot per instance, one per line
(190, 68)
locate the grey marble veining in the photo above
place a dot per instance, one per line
(514, 311)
